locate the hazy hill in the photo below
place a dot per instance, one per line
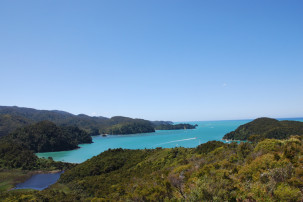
(58, 117)
(93, 125)
(14, 117)
(157, 123)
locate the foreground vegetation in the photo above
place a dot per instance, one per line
(270, 170)
(17, 164)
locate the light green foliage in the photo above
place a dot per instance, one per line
(269, 145)
(286, 193)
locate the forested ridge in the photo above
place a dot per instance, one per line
(45, 136)
(12, 118)
(93, 125)
(263, 128)
(129, 128)
(9, 123)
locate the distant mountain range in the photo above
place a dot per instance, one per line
(13, 117)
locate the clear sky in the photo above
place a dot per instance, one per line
(155, 59)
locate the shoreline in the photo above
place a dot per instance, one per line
(30, 174)
(231, 140)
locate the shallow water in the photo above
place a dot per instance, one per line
(39, 181)
(206, 131)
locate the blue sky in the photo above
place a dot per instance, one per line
(159, 60)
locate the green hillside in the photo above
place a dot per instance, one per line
(15, 156)
(45, 136)
(262, 128)
(8, 123)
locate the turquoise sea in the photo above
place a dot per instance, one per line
(206, 131)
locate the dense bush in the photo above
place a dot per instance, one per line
(130, 128)
(13, 155)
(45, 136)
(8, 123)
(262, 128)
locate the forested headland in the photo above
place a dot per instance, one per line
(175, 127)
(263, 128)
(45, 136)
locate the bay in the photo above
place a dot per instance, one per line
(206, 131)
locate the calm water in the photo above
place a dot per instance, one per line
(39, 181)
(206, 131)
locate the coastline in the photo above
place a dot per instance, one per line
(231, 140)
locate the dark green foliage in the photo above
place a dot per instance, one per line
(130, 128)
(14, 155)
(262, 128)
(175, 127)
(8, 123)
(45, 136)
